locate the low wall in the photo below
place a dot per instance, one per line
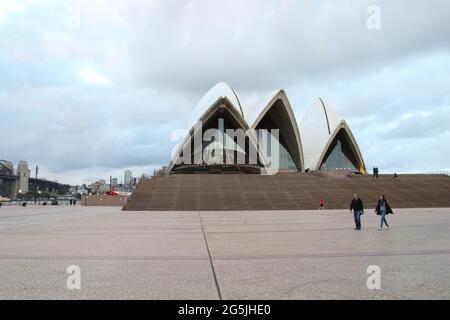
(103, 200)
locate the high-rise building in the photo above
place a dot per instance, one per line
(127, 177)
(24, 175)
(114, 182)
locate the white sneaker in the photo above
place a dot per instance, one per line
(380, 228)
(387, 227)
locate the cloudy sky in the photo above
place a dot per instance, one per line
(89, 88)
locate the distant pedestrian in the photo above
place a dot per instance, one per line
(358, 209)
(321, 204)
(375, 173)
(74, 201)
(383, 208)
(395, 177)
(1, 203)
(70, 202)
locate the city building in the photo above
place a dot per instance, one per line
(79, 190)
(127, 178)
(160, 172)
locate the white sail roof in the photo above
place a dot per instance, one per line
(218, 91)
(256, 111)
(316, 128)
(307, 143)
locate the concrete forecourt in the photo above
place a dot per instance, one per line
(227, 254)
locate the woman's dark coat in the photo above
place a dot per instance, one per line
(388, 207)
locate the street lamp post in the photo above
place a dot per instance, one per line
(20, 196)
(36, 185)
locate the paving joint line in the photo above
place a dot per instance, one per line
(210, 258)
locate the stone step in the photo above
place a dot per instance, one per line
(284, 192)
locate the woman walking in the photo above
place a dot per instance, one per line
(383, 208)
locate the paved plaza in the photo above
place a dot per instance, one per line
(229, 255)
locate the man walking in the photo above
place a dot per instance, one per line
(358, 209)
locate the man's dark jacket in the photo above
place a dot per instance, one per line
(357, 205)
(388, 208)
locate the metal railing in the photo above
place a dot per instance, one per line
(41, 202)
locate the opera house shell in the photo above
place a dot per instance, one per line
(321, 142)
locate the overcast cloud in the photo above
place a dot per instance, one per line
(89, 97)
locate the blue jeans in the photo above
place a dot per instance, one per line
(383, 218)
(357, 216)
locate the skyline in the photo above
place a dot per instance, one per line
(91, 88)
(120, 177)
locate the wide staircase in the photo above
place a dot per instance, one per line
(287, 191)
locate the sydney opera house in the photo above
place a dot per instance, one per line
(261, 158)
(320, 142)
